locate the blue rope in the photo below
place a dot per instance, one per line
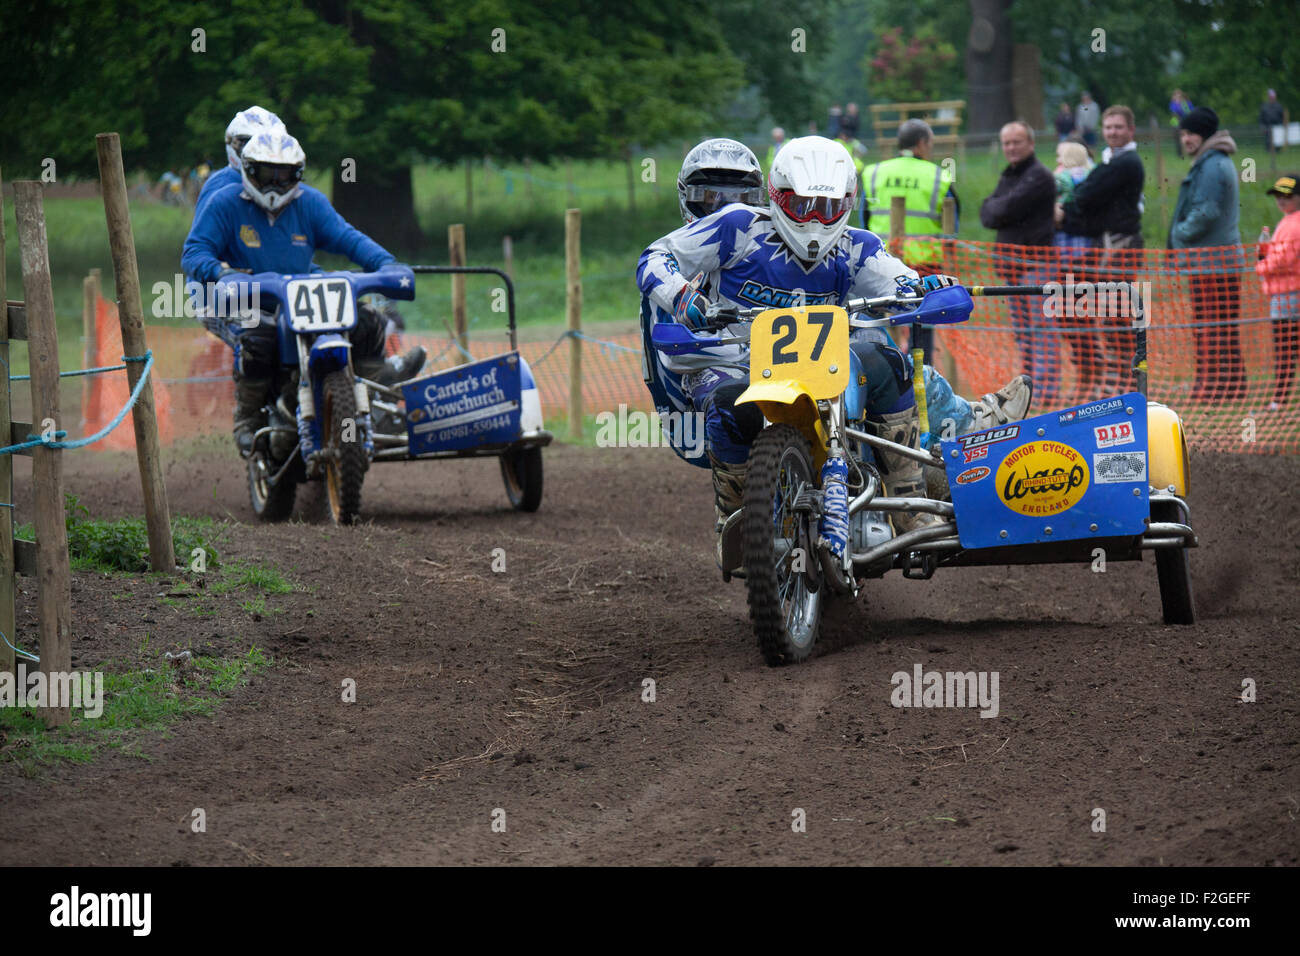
(19, 650)
(33, 441)
(80, 371)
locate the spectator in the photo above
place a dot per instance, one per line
(833, 122)
(1205, 229)
(1086, 118)
(778, 140)
(923, 186)
(1179, 106)
(1021, 209)
(1279, 273)
(1064, 122)
(851, 120)
(1109, 202)
(1271, 116)
(856, 149)
(1073, 163)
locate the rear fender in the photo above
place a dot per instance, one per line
(1167, 450)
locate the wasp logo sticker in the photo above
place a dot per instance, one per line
(248, 236)
(1042, 478)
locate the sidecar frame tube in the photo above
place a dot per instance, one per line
(923, 457)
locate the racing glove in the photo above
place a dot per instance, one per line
(930, 283)
(691, 309)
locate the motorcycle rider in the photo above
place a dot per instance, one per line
(245, 124)
(764, 257)
(272, 222)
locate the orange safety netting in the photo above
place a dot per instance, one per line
(104, 395)
(1213, 352)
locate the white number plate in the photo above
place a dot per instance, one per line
(320, 305)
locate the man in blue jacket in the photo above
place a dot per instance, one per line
(272, 222)
(246, 124)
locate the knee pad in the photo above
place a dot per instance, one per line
(730, 428)
(256, 353)
(889, 379)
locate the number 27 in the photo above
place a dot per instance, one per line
(786, 329)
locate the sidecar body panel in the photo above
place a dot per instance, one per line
(1076, 474)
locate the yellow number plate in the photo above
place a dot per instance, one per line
(809, 345)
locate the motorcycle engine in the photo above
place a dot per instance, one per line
(866, 530)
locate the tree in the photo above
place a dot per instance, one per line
(910, 70)
(988, 66)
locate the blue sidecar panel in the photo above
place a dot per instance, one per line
(464, 407)
(1066, 471)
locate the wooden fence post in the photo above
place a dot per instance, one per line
(8, 661)
(130, 314)
(508, 255)
(54, 585)
(456, 253)
(573, 308)
(90, 293)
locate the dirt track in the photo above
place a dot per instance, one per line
(522, 691)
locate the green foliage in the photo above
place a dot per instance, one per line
(122, 544)
(240, 576)
(910, 69)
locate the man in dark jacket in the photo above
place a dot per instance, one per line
(1271, 114)
(1108, 204)
(1021, 209)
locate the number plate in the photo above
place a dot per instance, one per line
(804, 345)
(320, 305)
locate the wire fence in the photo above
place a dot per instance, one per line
(1221, 351)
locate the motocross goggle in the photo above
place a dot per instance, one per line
(824, 209)
(273, 177)
(704, 198)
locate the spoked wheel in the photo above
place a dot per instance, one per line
(785, 604)
(1173, 569)
(345, 468)
(270, 502)
(521, 470)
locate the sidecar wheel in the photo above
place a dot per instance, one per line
(1173, 569)
(785, 605)
(521, 471)
(270, 503)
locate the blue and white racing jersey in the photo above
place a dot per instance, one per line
(746, 264)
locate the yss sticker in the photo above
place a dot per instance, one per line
(1042, 478)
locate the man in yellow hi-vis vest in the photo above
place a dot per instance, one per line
(923, 185)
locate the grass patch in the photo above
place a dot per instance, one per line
(137, 699)
(239, 576)
(122, 544)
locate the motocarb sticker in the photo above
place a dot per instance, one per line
(1117, 467)
(1042, 478)
(1095, 410)
(1110, 435)
(985, 438)
(972, 475)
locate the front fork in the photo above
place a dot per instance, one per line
(310, 437)
(833, 525)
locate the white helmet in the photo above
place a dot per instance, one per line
(717, 172)
(272, 169)
(813, 186)
(247, 124)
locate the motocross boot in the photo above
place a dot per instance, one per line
(728, 496)
(250, 410)
(902, 476)
(399, 368)
(1010, 403)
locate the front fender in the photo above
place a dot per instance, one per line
(328, 353)
(789, 403)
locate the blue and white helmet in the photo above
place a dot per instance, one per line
(272, 168)
(247, 124)
(717, 172)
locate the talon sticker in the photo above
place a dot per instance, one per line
(1042, 478)
(972, 475)
(1005, 433)
(1110, 435)
(1118, 467)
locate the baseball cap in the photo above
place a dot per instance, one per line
(1285, 185)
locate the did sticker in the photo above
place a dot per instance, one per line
(1042, 478)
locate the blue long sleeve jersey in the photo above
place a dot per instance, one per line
(746, 264)
(236, 230)
(225, 176)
